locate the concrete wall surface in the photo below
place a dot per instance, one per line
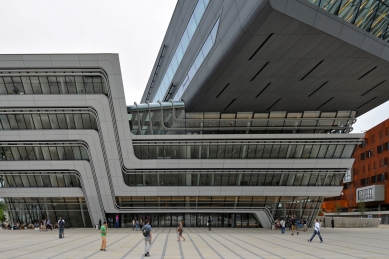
(348, 222)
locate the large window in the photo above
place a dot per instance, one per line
(53, 85)
(31, 210)
(201, 56)
(54, 120)
(186, 38)
(369, 15)
(232, 179)
(43, 152)
(200, 150)
(39, 179)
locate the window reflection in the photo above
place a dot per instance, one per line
(369, 15)
(15, 153)
(48, 121)
(233, 179)
(248, 151)
(53, 85)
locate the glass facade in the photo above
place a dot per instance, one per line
(52, 84)
(201, 56)
(242, 220)
(172, 119)
(39, 179)
(52, 120)
(43, 151)
(279, 206)
(369, 15)
(238, 150)
(32, 210)
(233, 179)
(179, 53)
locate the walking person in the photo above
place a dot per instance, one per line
(48, 225)
(209, 224)
(290, 223)
(282, 224)
(136, 224)
(324, 222)
(305, 224)
(316, 231)
(294, 226)
(332, 222)
(99, 223)
(230, 223)
(180, 229)
(146, 231)
(133, 224)
(61, 227)
(103, 231)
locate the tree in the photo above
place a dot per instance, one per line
(362, 207)
(338, 208)
(2, 212)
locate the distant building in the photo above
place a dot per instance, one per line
(367, 181)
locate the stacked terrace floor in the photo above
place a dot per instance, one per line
(246, 116)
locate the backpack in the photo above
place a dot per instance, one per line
(145, 231)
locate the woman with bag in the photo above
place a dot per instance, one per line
(180, 229)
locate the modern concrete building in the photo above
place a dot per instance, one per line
(246, 117)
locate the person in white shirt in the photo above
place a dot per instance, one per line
(316, 231)
(282, 223)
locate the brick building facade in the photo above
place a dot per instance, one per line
(370, 170)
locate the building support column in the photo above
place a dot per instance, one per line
(82, 212)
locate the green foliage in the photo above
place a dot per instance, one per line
(338, 208)
(362, 207)
(2, 212)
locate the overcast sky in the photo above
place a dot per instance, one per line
(132, 28)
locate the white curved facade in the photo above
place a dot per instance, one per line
(110, 149)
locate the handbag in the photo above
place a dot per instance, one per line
(207, 224)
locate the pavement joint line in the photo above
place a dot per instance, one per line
(152, 243)
(287, 248)
(132, 248)
(335, 240)
(209, 245)
(197, 249)
(250, 245)
(40, 244)
(311, 246)
(179, 245)
(164, 247)
(226, 246)
(75, 247)
(108, 246)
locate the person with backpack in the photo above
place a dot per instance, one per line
(146, 231)
(180, 229)
(282, 224)
(209, 224)
(316, 231)
(61, 227)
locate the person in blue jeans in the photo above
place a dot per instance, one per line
(316, 231)
(61, 226)
(282, 224)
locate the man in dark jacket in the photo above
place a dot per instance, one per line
(61, 226)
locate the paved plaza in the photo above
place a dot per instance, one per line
(200, 243)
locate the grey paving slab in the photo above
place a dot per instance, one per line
(199, 243)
